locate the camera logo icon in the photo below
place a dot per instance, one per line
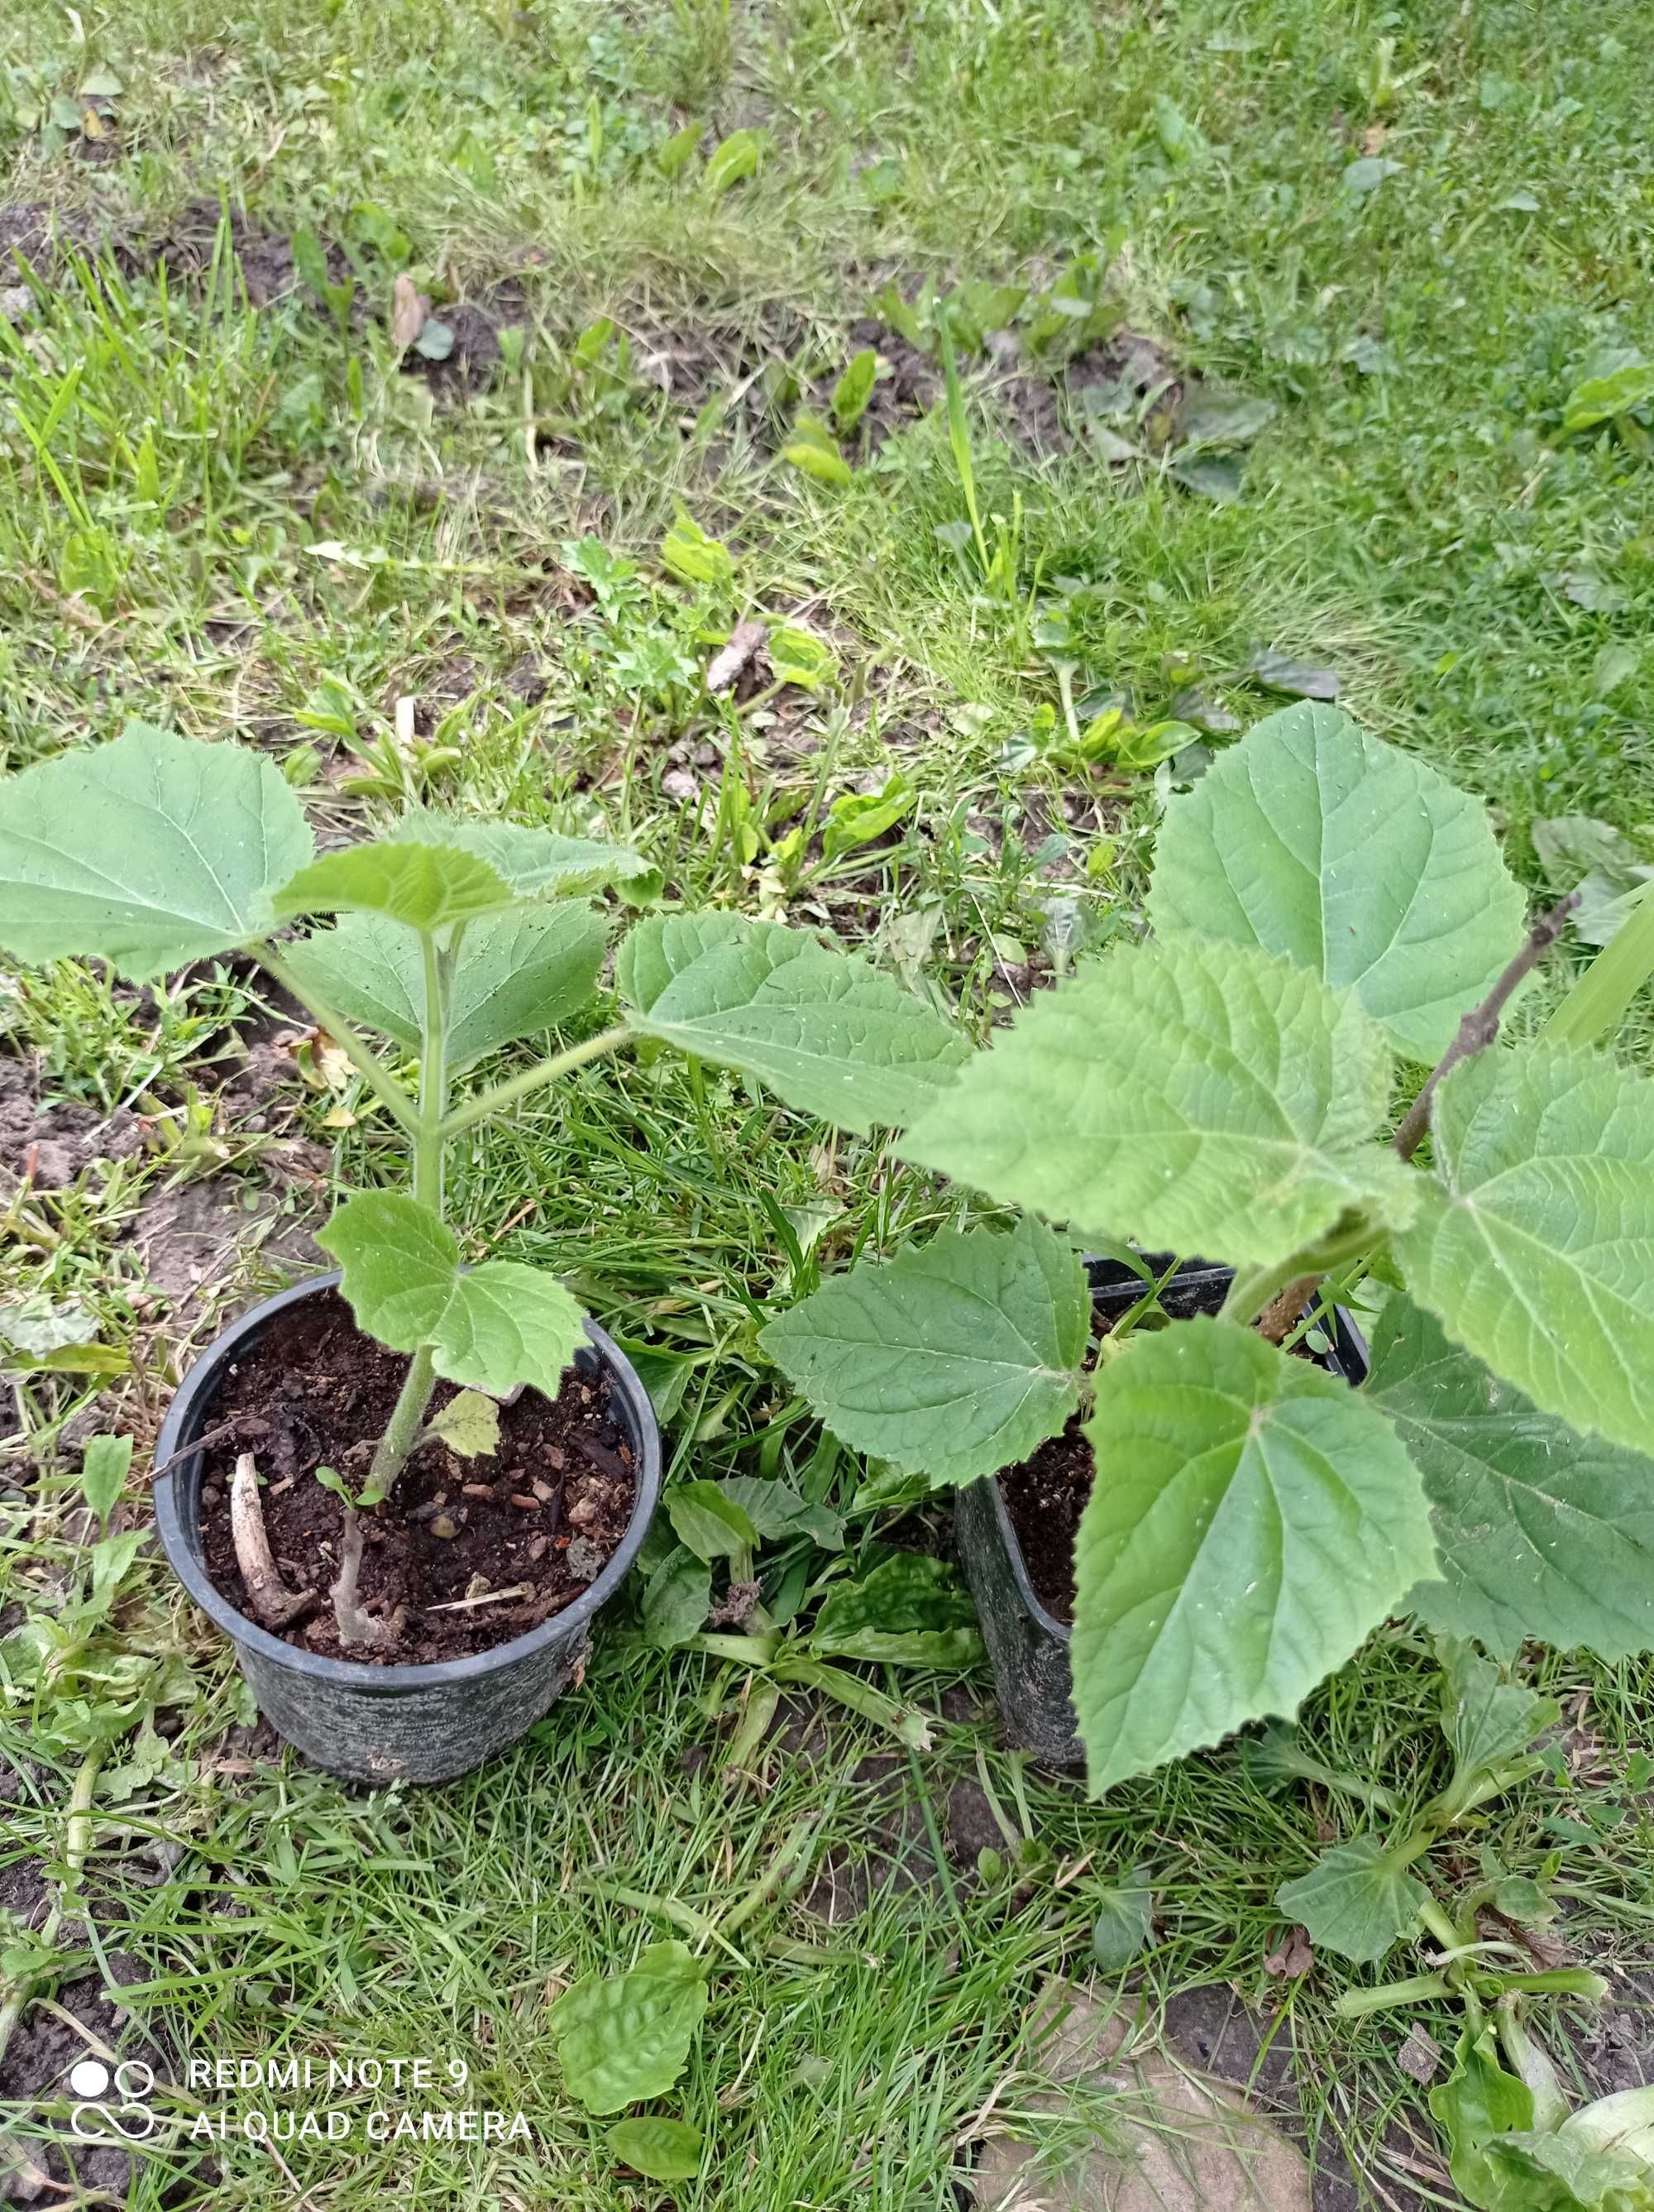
(95, 2121)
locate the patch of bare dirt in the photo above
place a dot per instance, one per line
(52, 1145)
(1215, 2031)
(193, 1236)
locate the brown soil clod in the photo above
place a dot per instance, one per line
(326, 1392)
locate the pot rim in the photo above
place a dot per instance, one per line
(1105, 1276)
(248, 1635)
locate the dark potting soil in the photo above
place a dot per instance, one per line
(1044, 1497)
(543, 1515)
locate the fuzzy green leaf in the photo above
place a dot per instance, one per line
(399, 1261)
(423, 886)
(1535, 1246)
(504, 1324)
(662, 2151)
(491, 1328)
(469, 1424)
(954, 1360)
(1357, 1899)
(1349, 858)
(827, 1032)
(516, 975)
(535, 863)
(148, 853)
(1190, 1097)
(1543, 1532)
(1253, 1519)
(621, 2037)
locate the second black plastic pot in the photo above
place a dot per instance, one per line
(387, 1724)
(1028, 1646)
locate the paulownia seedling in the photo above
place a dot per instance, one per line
(451, 939)
(1323, 907)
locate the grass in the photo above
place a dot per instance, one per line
(244, 519)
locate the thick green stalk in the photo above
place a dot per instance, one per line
(506, 1094)
(432, 1081)
(419, 1384)
(401, 1430)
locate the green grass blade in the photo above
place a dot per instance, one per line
(1599, 1000)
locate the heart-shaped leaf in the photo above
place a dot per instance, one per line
(1543, 1532)
(1190, 1097)
(829, 1034)
(517, 974)
(491, 1327)
(1228, 1476)
(424, 887)
(1357, 1899)
(955, 1358)
(1533, 1245)
(1349, 858)
(148, 853)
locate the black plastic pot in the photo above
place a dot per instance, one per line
(394, 1723)
(1027, 1645)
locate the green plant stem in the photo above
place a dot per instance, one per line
(401, 1430)
(78, 1843)
(1418, 1989)
(432, 1080)
(383, 1085)
(494, 1100)
(1256, 1288)
(1480, 1025)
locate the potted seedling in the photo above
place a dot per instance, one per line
(1323, 907)
(403, 1489)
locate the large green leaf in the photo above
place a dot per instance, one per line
(1534, 1249)
(423, 886)
(829, 1034)
(1252, 1520)
(505, 1324)
(954, 1360)
(1350, 860)
(399, 1262)
(490, 1327)
(1357, 1899)
(621, 2037)
(147, 853)
(1190, 1097)
(1543, 1532)
(535, 863)
(517, 974)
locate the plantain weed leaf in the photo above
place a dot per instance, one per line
(661, 2150)
(104, 1464)
(623, 2038)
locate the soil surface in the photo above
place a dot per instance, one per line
(1044, 1497)
(539, 1518)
